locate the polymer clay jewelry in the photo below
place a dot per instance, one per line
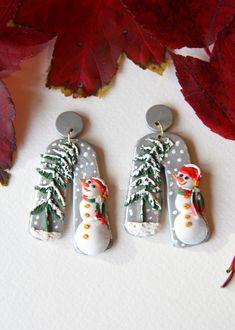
(71, 160)
(156, 155)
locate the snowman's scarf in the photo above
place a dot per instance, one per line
(100, 211)
(197, 202)
(90, 200)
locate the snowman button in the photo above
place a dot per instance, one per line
(87, 206)
(186, 206)
(86, 226)
(187, 216)
(86, 215)
(85, 236)
(188, 223)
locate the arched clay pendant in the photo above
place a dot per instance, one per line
(157, 155)
(71, 160)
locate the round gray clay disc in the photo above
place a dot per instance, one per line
(159, 113)
(69, 120)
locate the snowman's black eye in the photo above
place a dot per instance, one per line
(93, 186)
(186, 177)
(181, 175)
(88, 181)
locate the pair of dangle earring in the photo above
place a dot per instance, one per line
(165, 154)
(71, 160)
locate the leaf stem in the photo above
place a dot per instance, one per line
(230, 270)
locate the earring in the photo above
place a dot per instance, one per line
(71, 160)
(157, 154)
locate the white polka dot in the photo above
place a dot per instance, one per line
(168, 171)
(173, 151)
(150, 218)
(37, 217)
(168, 162)
(179, 160)
(93, 155)
(94, 172)
(87, 164)
(48, 150)
(131, 212)
(177, 143)
(176, 169)
(171, 193)
(81, 166)
(54, 144)
(78, 190)
(44, 182)
(61, 140)
(85, 154)
(174, 212)
(75, 183)
(88, 148)
(171, 184)
(166, 155)
(82, 145)
(56, 227)
(35, 222)
(92, 164)
(75, 197)
(182, 151)
(148, 210)
(77, 168)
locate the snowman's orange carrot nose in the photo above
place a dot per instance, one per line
(83, 183)
(178, 178)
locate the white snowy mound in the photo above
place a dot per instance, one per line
(141, 229)
(44, 235)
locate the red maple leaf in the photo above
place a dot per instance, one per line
(91, 36)
(7, 133)
(183, 23)
(15, 44)
(209, 87)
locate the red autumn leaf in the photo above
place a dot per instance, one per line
(209, 87)
(182, 23)
(7, 133)
(91, 36)
(16, 43)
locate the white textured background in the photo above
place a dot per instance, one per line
(139, 283)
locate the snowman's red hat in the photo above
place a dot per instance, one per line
(192, 171)
(101, 185)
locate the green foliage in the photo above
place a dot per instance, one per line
(148, 178)
(57, 170)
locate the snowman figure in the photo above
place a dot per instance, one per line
(190, 225)
(93, 235)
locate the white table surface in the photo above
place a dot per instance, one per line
(139, 283)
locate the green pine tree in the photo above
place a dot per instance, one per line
(58, 171)
(148, 178)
